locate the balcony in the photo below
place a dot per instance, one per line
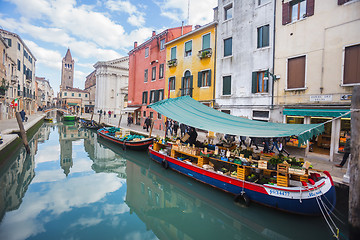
(186, 91)
(172, 63)
(205, 53)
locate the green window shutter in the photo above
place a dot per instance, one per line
(228, 47)
(227, 85)
(209, 78)
(173, 53)
(206, 41)
(254, 82)
(191, 81)
(156, 95)
(188, 46)
(199, 79)
(266, 85)
(182, 82)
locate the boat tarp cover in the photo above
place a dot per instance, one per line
(188, 111)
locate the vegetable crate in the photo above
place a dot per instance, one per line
(282, 179)
(242, 172)
(202, 161)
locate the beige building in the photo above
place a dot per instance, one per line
(90, 86)
(74, 99)
(317, 61)
(45, 94)
(20, 70)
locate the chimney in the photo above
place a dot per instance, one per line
(197, 26)
(216, 14)
(135, 44)
(153, 33)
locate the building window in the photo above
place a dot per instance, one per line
(151, 115)
(144, 97)
(298, 10)
(226, 111)
(188, 48)
(146, 52)
(144, 114)
(259, 84)
(261, 2)
(72, 94)
(85, 95)
(162, 44)
(146, 75)
(18, 65)
(160, 94)
(153, 74)
(227, 85)
(152, 96)
(79, 94)
(19, 46)
(296, 73)
(65, 93)
(206, 41)
(161, 71)
(187, 84)
(228, 11)
(172, 83)
(173, 53)
(227, 47)
(159, 116)
(204, 78)
(263, 36)
(352, 65)
(8, 41)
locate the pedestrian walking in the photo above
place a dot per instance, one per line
(266, 142)
(109, 112)
(254, 141)
(169, 126)
(242, 141)
(22, 115)
(346, 151)
(176, 127)
(147, 123)
(276, 142)
(182, 129)
(129, 120)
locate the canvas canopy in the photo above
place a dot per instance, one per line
(193, 113)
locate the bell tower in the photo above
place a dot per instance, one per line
(67, 71)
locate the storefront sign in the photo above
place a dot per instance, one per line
(346, 97)
(320, 98)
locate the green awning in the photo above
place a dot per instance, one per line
(317, 112)
(193, 113)
(72, 104)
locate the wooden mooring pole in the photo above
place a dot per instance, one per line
(151, 128)
(22, 133)
(120, 120)
(354, 164)
(92, 115)
(100, 117)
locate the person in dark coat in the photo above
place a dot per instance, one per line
(266, 142)
(147, 123)
(182, 129)
(346, 151)
(22, 115)
(175, 127)
(254, 141)
(193, 135)
(242, 141)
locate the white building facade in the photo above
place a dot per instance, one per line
(111, 79)
(45, 93)
(243, 57)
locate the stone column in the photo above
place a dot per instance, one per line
(307, 120)
(335, 137)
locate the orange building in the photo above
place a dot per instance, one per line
(147, 75)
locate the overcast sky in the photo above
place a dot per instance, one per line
(94, 30)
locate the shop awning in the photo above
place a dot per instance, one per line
(317, 112)
(72, 104)
(89, 105)
(129, 109)
(193, 113)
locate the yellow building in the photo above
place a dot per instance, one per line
(191, 64)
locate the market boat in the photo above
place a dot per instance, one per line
(69, 118)
(301, 191)
(125, 139)
(296, 192)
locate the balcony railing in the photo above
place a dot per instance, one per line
(14, 79)
(172, 63)
(205, 53)
(186, 91)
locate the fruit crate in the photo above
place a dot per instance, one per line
(282, 179)
(242, 172)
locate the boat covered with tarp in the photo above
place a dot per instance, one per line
(125, 139)
(284, 183)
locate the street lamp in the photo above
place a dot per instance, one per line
(274, 78)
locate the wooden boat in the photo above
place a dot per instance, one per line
(90, 125)
(305, 194)
(125, 139)
(69, 118)
(48, 119)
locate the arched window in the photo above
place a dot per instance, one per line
(187, 84)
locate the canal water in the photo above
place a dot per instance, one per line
(76, 186)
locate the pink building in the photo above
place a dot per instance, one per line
(147, 78)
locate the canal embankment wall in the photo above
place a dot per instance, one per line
(10, 134)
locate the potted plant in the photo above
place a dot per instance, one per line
(3, 87)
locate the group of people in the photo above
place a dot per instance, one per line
(104, 112)
(277, 143)
(173, 126)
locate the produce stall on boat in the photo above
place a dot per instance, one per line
(125, 139)
(280, 182)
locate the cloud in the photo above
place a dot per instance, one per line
(200, 11)
(136, 17)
